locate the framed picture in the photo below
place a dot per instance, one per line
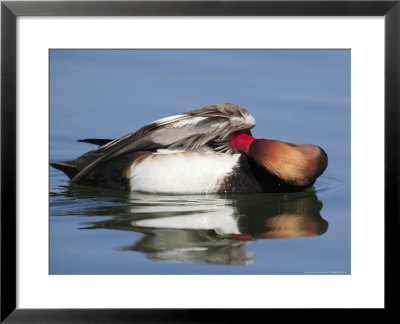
(120, 244)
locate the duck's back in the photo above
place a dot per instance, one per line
(204, 154)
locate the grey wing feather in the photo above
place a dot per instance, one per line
(138, 140)
(190, 130)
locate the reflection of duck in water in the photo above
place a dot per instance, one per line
(205, 150)
(218, 233)
(192, 246)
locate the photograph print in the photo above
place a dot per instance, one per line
(200, 161)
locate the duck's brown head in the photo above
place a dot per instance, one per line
(296, 164)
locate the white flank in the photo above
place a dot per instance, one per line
(181, 172)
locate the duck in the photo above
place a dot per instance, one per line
(207, 150)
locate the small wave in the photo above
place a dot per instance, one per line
(326, 184)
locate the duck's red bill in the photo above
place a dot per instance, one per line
(241, 141)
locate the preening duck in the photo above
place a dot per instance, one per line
(206, 150)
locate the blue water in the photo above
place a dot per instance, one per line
(300, 96)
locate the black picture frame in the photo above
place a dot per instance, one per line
(10, 10)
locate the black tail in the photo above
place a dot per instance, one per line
(72, 168)
(95, 141)
(69, 170)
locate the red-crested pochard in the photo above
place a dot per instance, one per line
(208, 150)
